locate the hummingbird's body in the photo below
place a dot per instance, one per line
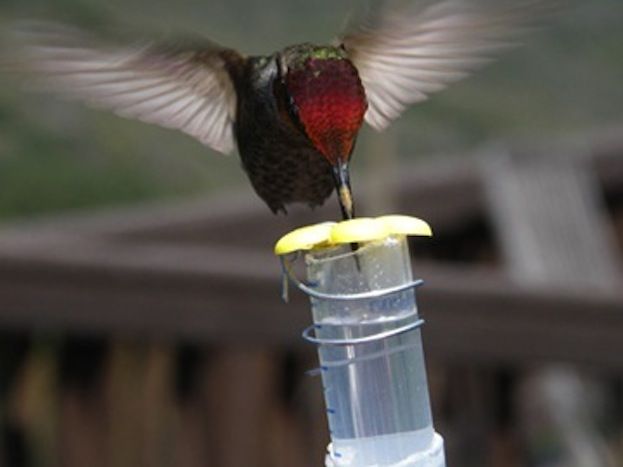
(297, 117)
(282, 165)
(293, 115)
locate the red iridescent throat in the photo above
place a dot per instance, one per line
(331, 104)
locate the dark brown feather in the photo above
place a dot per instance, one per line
(281, 162)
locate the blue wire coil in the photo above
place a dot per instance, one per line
(309, 333)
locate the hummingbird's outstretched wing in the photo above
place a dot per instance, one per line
(404, 54)
(179, 87)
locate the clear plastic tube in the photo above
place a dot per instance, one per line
(375, 382)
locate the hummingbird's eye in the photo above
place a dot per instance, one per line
(286, 104)
(292, 104)
(293, 111)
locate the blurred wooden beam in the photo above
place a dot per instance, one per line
(217, 295)
(195, 272)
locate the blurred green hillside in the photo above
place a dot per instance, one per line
(56, 155)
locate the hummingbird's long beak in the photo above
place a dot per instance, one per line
(342, 184)
(345, 197)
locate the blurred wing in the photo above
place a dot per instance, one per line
(403, 55)
(184, 88)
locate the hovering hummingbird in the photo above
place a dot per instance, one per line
(294, 115)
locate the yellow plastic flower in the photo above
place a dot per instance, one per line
(358, 230)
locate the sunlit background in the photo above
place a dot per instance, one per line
(86, 390)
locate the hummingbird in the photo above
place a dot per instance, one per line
(293, 115)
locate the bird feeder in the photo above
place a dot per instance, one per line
(368, 332)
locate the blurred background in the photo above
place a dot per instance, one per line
(140, 325)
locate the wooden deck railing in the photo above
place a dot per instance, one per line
(156, 336)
